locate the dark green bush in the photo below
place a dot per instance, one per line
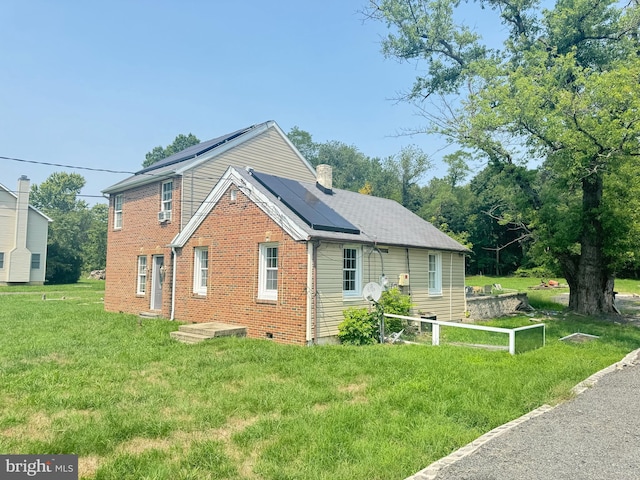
(359, 327)
(393, 301)
(535, 272)
(362, 327)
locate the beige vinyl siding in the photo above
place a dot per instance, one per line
(7, 231)
(331, 304)
(37, 243)
(7, 226)
(449, 306)
(268, 152)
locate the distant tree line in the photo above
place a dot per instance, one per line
(560, 91)
(486, 209)
(78, 234)
(77, 240)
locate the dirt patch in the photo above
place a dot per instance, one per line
(356, 390)
(628, 304)
(320, 407)
(37, 426)
(184, 439)
(88, 466)
(50, 358)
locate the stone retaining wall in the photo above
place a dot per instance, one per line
(492, 306)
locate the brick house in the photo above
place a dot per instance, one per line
(148, 209)
(277, 252)
(285, 258)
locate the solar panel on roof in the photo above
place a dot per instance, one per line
(195, 150)
(313, 211)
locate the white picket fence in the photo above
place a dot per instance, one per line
(436, 324)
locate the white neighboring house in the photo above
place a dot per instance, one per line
(23, 237)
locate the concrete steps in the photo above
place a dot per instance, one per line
(199, 332)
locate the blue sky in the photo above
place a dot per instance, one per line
(100, 84)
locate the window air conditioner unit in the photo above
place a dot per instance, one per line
(164, 216)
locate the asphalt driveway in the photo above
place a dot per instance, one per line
(596, 435)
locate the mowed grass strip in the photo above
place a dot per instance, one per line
(134, 404)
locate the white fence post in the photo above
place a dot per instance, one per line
(512, 342)
(435, 334)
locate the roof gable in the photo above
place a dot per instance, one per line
(375, 220)
(196, 155)
(233, 176)
(31, 207)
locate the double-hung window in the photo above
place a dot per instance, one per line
(167, 196)
(268, 272)
(141, 287)
(435, 274)
(1, 259)
(35, 261)
(200, 270)
(351, 271)
(117, 211)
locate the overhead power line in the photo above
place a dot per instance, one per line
(66, 166)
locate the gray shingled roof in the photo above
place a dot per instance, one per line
(380, 220)
(167, 167)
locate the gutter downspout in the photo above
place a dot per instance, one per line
(173, 284)
(315, 292)
(310, 290)
(450, 286)
(408, 269)
(464, 282)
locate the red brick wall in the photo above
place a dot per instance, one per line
(233, 232)
(141, 234)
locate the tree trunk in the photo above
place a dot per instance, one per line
(589, 278)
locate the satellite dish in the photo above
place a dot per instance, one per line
(372, 291)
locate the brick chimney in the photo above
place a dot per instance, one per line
(324, 178)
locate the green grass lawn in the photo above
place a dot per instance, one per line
(133, 404)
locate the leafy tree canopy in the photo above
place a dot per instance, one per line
(56, 197)
(180, 143)
(562, 90)
(57, 194)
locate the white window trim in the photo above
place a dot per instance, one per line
(199, 270)
(265, 293)
(141, 274)
(169, 199)
(435, 290)
(117, 213)
(353, 294)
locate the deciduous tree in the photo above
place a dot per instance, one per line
(57, 197)
(563, 90)
(179, 143)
